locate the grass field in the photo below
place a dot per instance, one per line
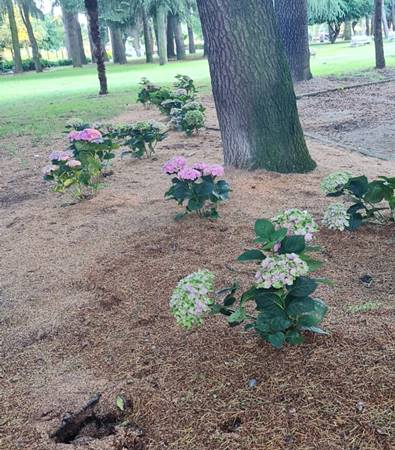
(37, 105)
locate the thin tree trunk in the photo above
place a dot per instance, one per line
(180, 44)
(347, 30)
(117, 44)
(191, 40)
(135, 35)
(93, 14)
(393, 14)
(252, 87)
(72, 39)
(292, 21)
(385, 22)
(161, 37)
(16, 50)
(148, 44)
(170, 32)
(91, 44)
(25, 14)
(80, 40)
(367, 25)
(378, 34)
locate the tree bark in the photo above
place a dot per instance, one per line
(170, 32)
(148, 39)
(292, 22)
(393, 14)
(25, 15)
(334, 30)
(91, 43)
(378, 34)
(93, 14)
(117, 44)
(16, 50)
(180, 44)
(135, 38)
(252, 87)
(367, 25)
(161, 33)
(347, 30)
(191, 40)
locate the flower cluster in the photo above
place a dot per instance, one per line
(87, 135)
(336, 217)
(297, 222)
(76, 123)
(279, 271)
(190, 300)
(196, 184)
(334, 182)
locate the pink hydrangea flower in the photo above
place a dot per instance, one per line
(47, 170)
(200, 166)
(188, 174)
(73, 163)
(60, 156)
(174, 165)
(215, 170)
(73, 136)
(88, 135)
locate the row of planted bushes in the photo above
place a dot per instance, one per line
(28, 64)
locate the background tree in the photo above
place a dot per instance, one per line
(252, 87)
(378, 34)
(28, 8)
(292, 20)
(72, 28)
(16, 51)
(93, 14)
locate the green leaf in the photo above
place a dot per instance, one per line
(376, 192)
(264, 228)
(314, 264)
(194, 204)
(251, 255)
(358, 186)
(278, 235)
(292, 244)
(302, 287)
(294, 337)
(268, 301)
(120, 402)
(237, 316)
(276, 339)
(204, 189)
(315, 330)
(229, 300)
(355, 221)
(307, 311)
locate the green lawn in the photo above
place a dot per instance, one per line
(37, 105)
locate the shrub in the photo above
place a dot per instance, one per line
(189, 117)
(192, 122)
(185, 82)
(373, 200)
(196, 185)
(147, 88)
(284, 308)
(140, 137)
(78, 169)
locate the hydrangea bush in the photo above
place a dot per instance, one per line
(197, 186)
(185, 82)
(140, 137)
(297, 222)
(188, 118)
(281, 293)
(146, 91)
(79, 169)
(373, 200)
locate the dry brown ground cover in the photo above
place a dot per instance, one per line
(84, 308)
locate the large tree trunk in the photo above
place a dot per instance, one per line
(347, 30)
(25, 14)
(252, 87)
(91, 43)
(170, 32)
(135, 38)
(16, 50)
(180, 44)
(161, 13)
(117, 44)
(93, 14)
(334, 30)
(191, 40)
(292, 22)
(70, 28)
(148, 39)
(378, 34)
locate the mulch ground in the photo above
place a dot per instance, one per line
(84, 309)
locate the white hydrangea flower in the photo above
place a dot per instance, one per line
(190, 300)
(336, 217)
(335, 181)
(297, 222)
(180, 92)
(280, 270)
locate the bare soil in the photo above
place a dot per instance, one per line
(84, 308)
